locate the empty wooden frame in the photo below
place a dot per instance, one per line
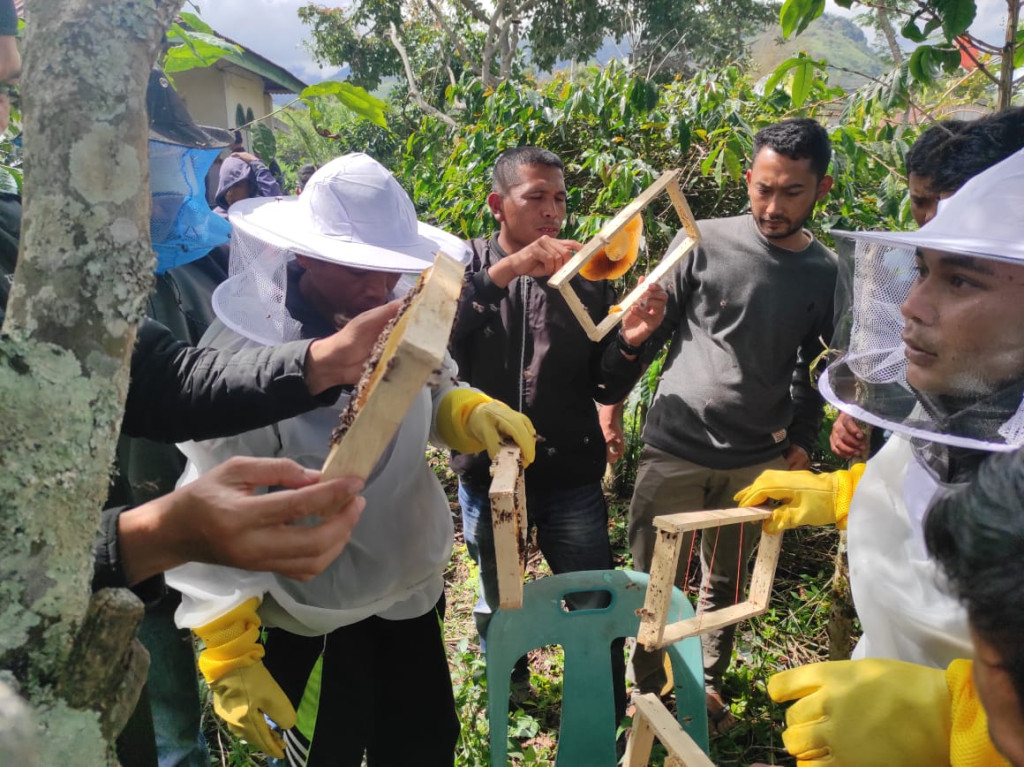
(401, 365)
(652, 720)
(508, 521)
(655, 629)
(668, 183)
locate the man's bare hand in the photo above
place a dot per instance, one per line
(645, 315)
(610, 418)
(339, 358)
(219, 519)
(245, 157)
(541, 258)
(796, 458)
(848, 439)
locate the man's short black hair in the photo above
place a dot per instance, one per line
(506, 168)
(925, 157)
(976, 534)
(978, 146)
(798, 139)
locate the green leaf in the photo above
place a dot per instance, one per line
(705, 166)
(790, 14)
(353, 97)
(803, 79)
(912, 32)
(780, 71)
(1018, 54)
(733, 166)
(239, 116)
(263, 142)
(196, 23)
(8, 182)
(933, 23)
(195, 49)
(957, 16)
(799, 73)
(950, 59)
(684, 136)
(929, 61)
(795, 15)
(925, 64)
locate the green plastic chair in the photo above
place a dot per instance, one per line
(586, 737)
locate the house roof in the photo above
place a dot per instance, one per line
(276, 79)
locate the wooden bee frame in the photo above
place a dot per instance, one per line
(655, 630)
(412, 352)
(508, 521)
(668, 183)
(652, 720)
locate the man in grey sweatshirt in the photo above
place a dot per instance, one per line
(747, 313)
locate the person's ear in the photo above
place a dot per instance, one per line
(824, 187)
(494, 203)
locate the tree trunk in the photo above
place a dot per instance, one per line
(1009, 48)
(78, 293)
(885, 25)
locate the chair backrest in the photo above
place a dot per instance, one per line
(587, 734)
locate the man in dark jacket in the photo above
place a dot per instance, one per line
(516, 339)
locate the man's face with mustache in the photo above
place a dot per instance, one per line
(782, 193)
(964, 329)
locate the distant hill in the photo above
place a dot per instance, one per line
(830, 37)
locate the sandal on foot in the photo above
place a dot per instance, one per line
(720, 718)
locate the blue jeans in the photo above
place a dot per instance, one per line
(572, 533)
(173, 689)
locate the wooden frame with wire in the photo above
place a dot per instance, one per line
(409, 352)
(668, 183)
(655, 630)
(508, 522)
(652, 720)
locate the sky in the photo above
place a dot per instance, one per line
(272, 28)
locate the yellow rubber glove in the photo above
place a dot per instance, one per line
(969, 743)
(469, 421)
(807, 498)
(243, 690)
(865, 713)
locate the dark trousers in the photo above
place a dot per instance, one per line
(385, 690)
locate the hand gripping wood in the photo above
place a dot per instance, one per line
(409, 352)
(667, 183)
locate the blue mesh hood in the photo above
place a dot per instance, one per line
(182, 226)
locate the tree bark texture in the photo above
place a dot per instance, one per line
(78, 293)
(1009, 48)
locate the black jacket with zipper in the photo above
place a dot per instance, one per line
(523, 345)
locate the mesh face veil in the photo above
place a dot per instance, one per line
(182, 226)
(931, 323)
(352, 213)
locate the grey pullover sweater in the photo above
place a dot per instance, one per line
(745, 319)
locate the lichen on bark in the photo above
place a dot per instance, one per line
(85, 268)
